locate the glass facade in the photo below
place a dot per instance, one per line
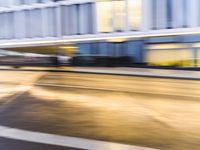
(101, 16)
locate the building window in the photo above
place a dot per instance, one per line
(2, 26)
(65, 20)
(86, 18)
(20, 24)
(77, 19)
(154, 14)
(169, 14)
(134, 14)
(51, 22)
(9, 25)
(69, 17)
(28, 23)
(35, 23)
(185, 13)
(104, 18)
(118, 14)
(110, 15)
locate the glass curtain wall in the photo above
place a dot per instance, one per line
(176, 13)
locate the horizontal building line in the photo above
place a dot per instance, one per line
(96, 37)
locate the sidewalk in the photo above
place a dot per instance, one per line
(161, 73)
(145, 72)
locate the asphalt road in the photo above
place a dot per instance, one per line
(151, 112)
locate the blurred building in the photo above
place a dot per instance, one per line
(154, 32)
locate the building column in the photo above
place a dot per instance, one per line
(177, 15)
(146, 18)
(126, 16)
(58, 21)
(45, 22)
(94, 17)
(193, 13)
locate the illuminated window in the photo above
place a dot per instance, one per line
(134, 11)
(118, 14)
(104, 18)
(110, 15)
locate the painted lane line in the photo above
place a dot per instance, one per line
(65, 141)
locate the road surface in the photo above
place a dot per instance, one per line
(140, 111)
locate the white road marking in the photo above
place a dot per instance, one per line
(65, 141)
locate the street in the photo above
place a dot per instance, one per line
(157, 113)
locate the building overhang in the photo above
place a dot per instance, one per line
(38, 42)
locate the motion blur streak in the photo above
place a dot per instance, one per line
(150, 112)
